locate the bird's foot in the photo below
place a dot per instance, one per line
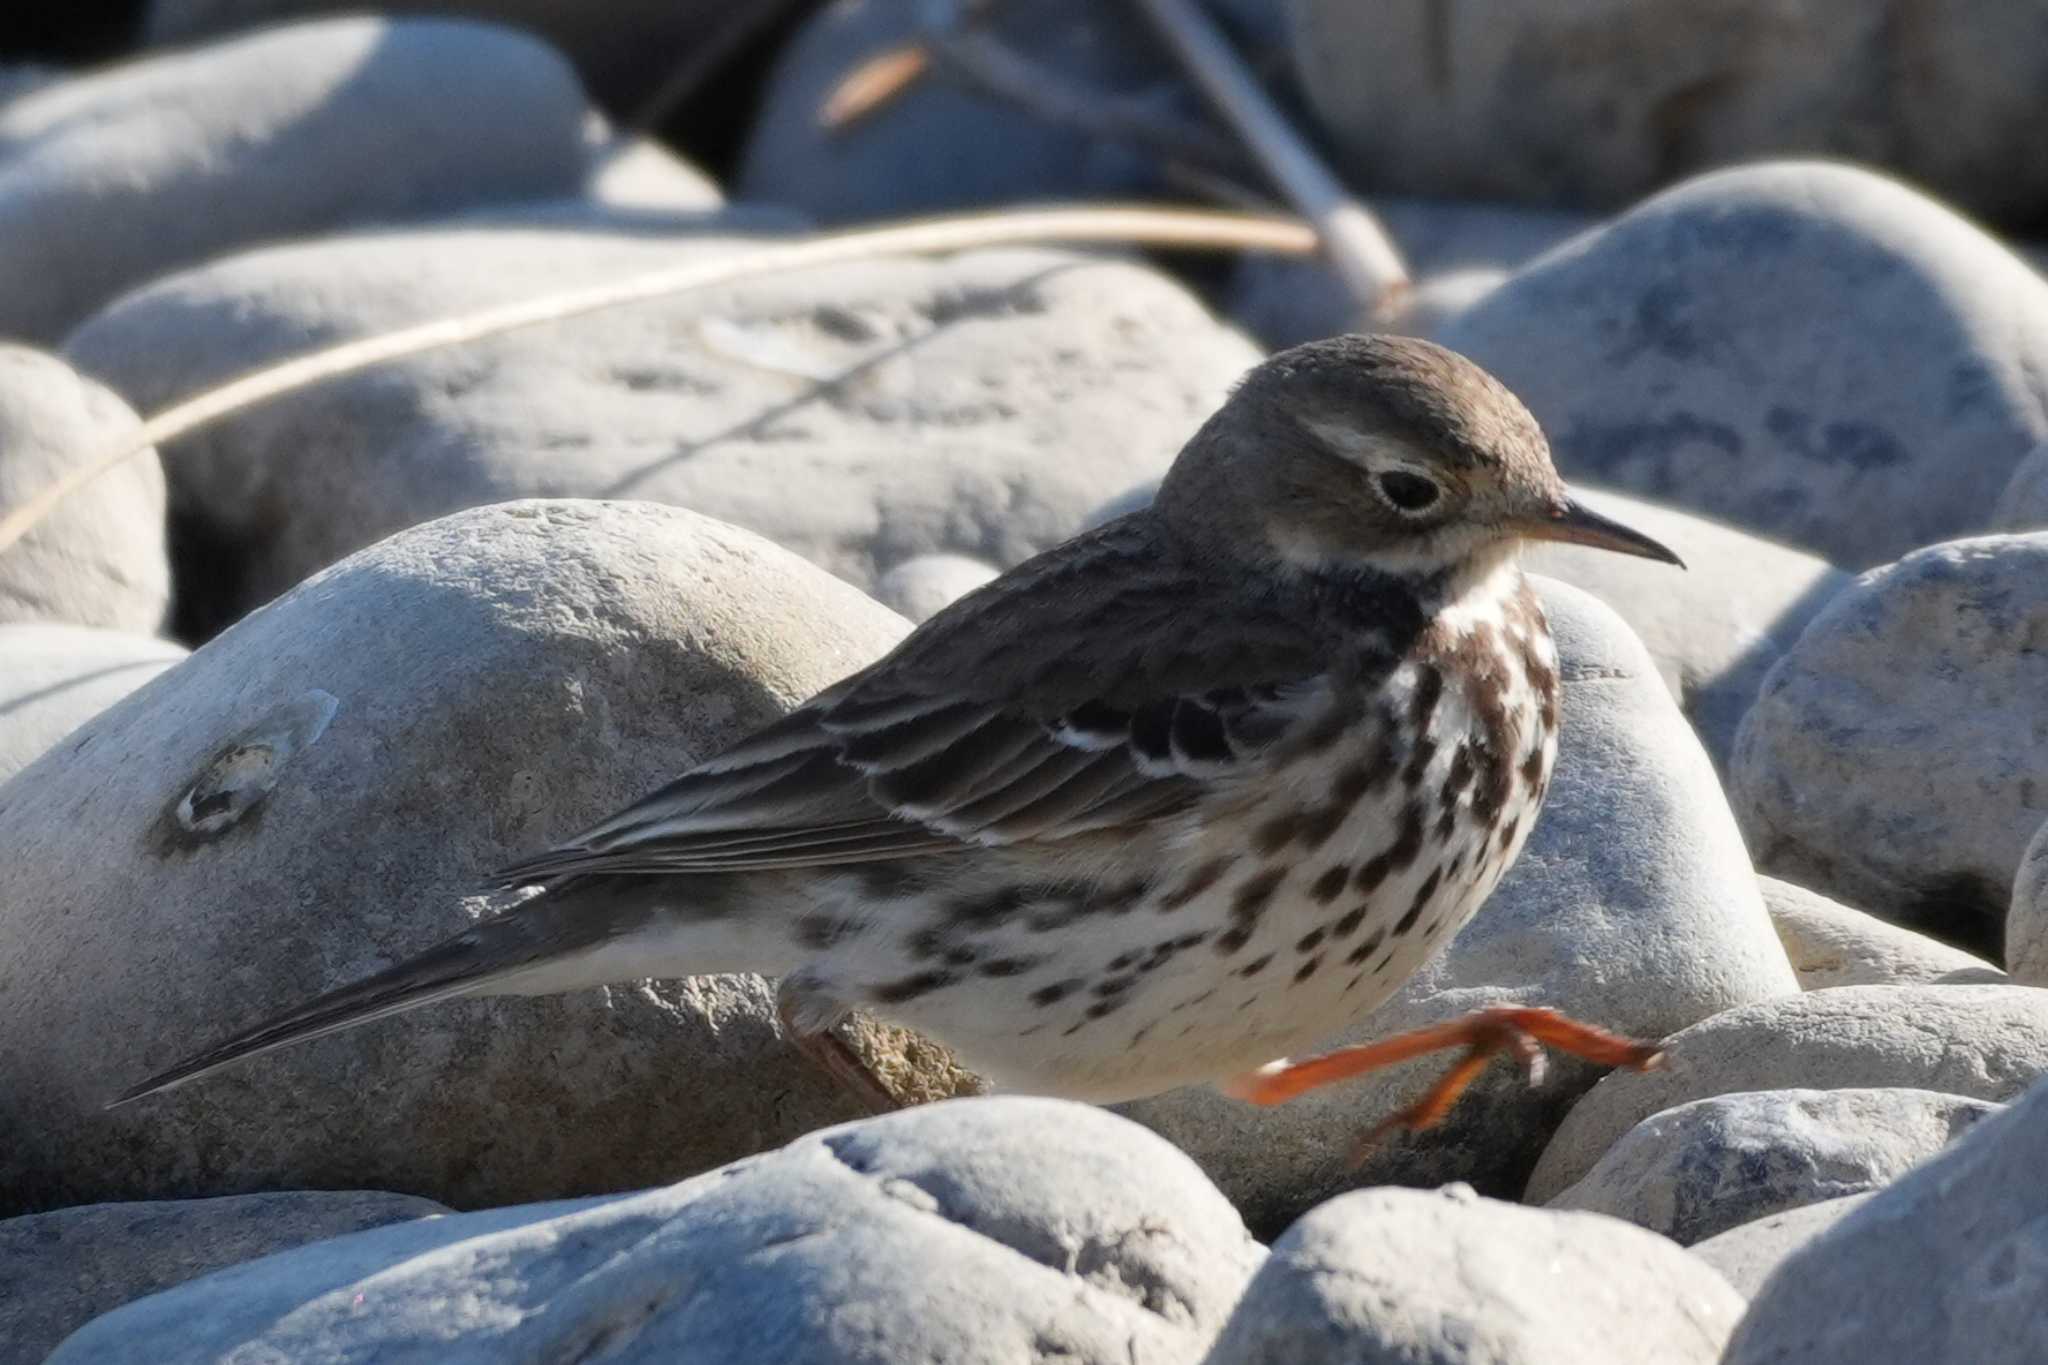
(814, 1037)
(1520, 1030)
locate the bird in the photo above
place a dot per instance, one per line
(1166, 804)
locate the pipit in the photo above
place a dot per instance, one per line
(1188, 793)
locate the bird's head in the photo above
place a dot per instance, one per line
(1378, 452)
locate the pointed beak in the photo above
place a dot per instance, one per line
(1574, 523)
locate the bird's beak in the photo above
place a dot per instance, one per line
(1574, 523)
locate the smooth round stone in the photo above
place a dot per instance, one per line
(1806, 351)
(64, 1269)
(1447, 1278)
(922, 586)
(979, 1232)
(1747, 1255)
(1601, 102)
(1980, 1042)
(1949, 1263)
(315, 795)
(1832, 945)
(98, 557)
(1893, 756)
(110, 179)
(1702, 1168)
(977, 404)
(55, 678)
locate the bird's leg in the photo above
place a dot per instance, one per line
(1520, 1029)
(809, 1027)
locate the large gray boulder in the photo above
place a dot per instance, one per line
(1893, 756)
(1747, 1255)
(861, 415)
(1807, 351)
(1701, 1168)
(1980, 1042)
(55, 678)
(1446, 1278)
(59, 1271)
(980, 1232)
(624, 49)
(1950, 1263)
(1715, 629)
(114, 178)
(98, 557)
(313, 795)
(1602, 103)
(1830, 944)
(1632, 907)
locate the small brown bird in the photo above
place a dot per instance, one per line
(1189, 793)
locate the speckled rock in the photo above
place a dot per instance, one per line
(1949, 1263)
(1807, 351)
(113, 178)
(1747, 1255)
(313, 795)
(1632, 907)
(1981, 1042)
(1698, 1169)
(1832, 945)
(55, 678)
(1715, 629)
(929, 148)
(1893, 756)
(918, 588)
(1448, 1278)
(98, 557)
(1601, 103)
(980, 1232)
(979, 404)
(60, 1270)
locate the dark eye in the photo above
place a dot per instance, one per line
(1409, 492)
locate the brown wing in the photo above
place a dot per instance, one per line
(1088, 689)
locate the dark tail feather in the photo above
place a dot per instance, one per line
(542, 930)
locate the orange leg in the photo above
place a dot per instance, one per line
(1517, 1029)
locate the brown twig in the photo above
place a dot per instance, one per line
(1140, 226)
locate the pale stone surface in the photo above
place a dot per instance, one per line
(1446, 1278)
(1893, 756)
(978, 404)
(919, 588)
(313, 796)
(97, 558)
(113, 178)
(1981, 1042)
(1714, 629)
(979, 1232)
(1832, 945)
(1949, 1263)
(1632, 907)
(1747, 1255)
(59, 1271)
(55, 678)
(1810, 352)
(2026, 921)
(1604, 102)
(624, 49)
(1698, 1169)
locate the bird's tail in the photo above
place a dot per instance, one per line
(553, 942)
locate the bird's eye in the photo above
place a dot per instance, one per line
(1408, 492)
